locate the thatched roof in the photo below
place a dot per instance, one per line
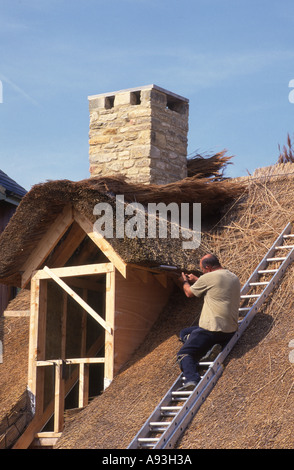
(14, 333)
(42, 204)
(252, 403)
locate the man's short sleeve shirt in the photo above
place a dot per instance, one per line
(221, 291)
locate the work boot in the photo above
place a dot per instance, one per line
(187, 387)
(212, 354)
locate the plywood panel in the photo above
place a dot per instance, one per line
(138, 302)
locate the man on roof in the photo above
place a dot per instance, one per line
(218, 319)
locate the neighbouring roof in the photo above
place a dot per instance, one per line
(9, 187)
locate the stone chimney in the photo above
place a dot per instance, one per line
(140, 133)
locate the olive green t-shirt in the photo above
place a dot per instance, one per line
(221, 290)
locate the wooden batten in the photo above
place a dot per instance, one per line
(110, 320)
(59, 399)
(16, 313)
(34, 318)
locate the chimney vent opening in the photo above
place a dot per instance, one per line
(176, 105)
(109, 102)
(136, 97)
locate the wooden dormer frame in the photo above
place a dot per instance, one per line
(38, 334)
(56, 232)
(122, 282)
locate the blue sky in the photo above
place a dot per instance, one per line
(233, 60)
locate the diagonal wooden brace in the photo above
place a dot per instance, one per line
(78, 299)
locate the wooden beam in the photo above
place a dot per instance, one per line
(84, 326)
(47, 243)
(16, 313)
(78, 360)
(83, 385)
(32, 368)
(46, 439)
(41, 346)
(59, 399)
(78, 299)
(109, 338)
(63, 326)
(74, 271)
(101, 242)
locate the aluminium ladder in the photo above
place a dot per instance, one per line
(177, 408)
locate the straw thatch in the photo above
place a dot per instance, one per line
(253, 400)
(14, 333)
(252, 404)
(213, 166)
(40, 207)
(287, 152)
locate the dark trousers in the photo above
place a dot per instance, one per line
(197, 342)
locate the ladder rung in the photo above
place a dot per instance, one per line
(179, 393)
(277, 259)
(267, 271)
(243, 309)
(284, 247)
(249, 296)
(290, 235)
(148, 439)
(177, 399)
(159, 424)
(258, 283)
(170, 408)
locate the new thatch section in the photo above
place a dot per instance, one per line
(252, 403)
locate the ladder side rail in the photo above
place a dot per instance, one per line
(279, 241)
(155, 415)
(277, 276)
(255, 307)
(188, 411)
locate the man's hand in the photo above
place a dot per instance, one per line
(192, 278)
(183, 278)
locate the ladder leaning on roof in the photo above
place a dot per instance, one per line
(171, 417)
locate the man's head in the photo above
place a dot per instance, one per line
(209, 263)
